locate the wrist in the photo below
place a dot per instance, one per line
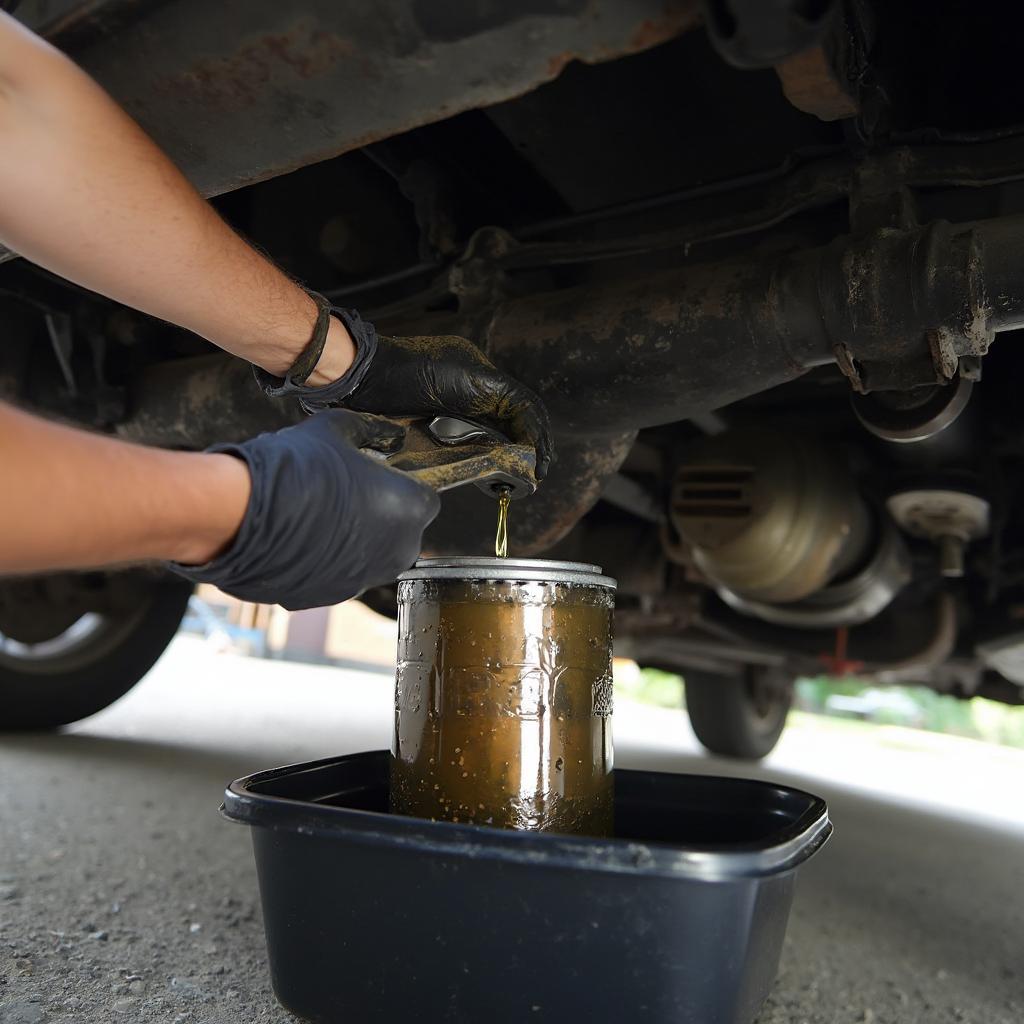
(337, 357)
(223, 489)
(282, 345)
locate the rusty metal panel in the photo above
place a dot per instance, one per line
(812, 84)
(237, 91)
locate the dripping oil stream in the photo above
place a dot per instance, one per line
(501, 537)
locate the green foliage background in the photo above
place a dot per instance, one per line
(977, 718)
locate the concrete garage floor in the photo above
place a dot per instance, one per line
(125, 897)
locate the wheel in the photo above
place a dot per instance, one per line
(71, 644)
(738, 716)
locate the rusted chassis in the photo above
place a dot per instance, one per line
(895, 309)
(238, 92)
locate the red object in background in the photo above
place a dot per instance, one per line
(836, 663)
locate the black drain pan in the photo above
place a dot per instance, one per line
(375, 917)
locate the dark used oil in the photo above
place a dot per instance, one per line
(503, 703)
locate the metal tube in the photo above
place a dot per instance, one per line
(653, 349)
(895, 309)
(1000, 246)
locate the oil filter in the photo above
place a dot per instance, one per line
(503, 694)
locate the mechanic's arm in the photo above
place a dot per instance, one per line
(85, 193)
(80, 500)
(299, 517)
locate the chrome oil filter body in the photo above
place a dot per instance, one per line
(504, 694)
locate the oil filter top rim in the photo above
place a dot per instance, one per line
(540, 570)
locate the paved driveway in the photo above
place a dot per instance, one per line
(125, 897)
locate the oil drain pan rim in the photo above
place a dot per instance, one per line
(251, 801)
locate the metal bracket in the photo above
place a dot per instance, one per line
(760, 33)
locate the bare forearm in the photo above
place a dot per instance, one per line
(78, 500)
(85, 193)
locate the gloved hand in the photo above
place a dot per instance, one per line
(324, 520)
(427, 376)
(448, 375)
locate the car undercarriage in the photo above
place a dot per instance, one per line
(761, 262)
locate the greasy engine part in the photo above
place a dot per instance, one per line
(777, 525)
(896, 309)
(949, 518)
(760, 33)
(819, 51)
(849, 601)
(720, 638)
(571, 488)
(242, 84)
(503, 694)
(199, 401)
(772, 517)
(193, 403)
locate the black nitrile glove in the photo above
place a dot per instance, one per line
(324, 521)
(448, 375)
(427, 376)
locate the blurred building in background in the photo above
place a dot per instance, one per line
(348, 635)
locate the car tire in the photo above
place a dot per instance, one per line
(65, 678)
(739, 716)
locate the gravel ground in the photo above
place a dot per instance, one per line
(125, 897)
